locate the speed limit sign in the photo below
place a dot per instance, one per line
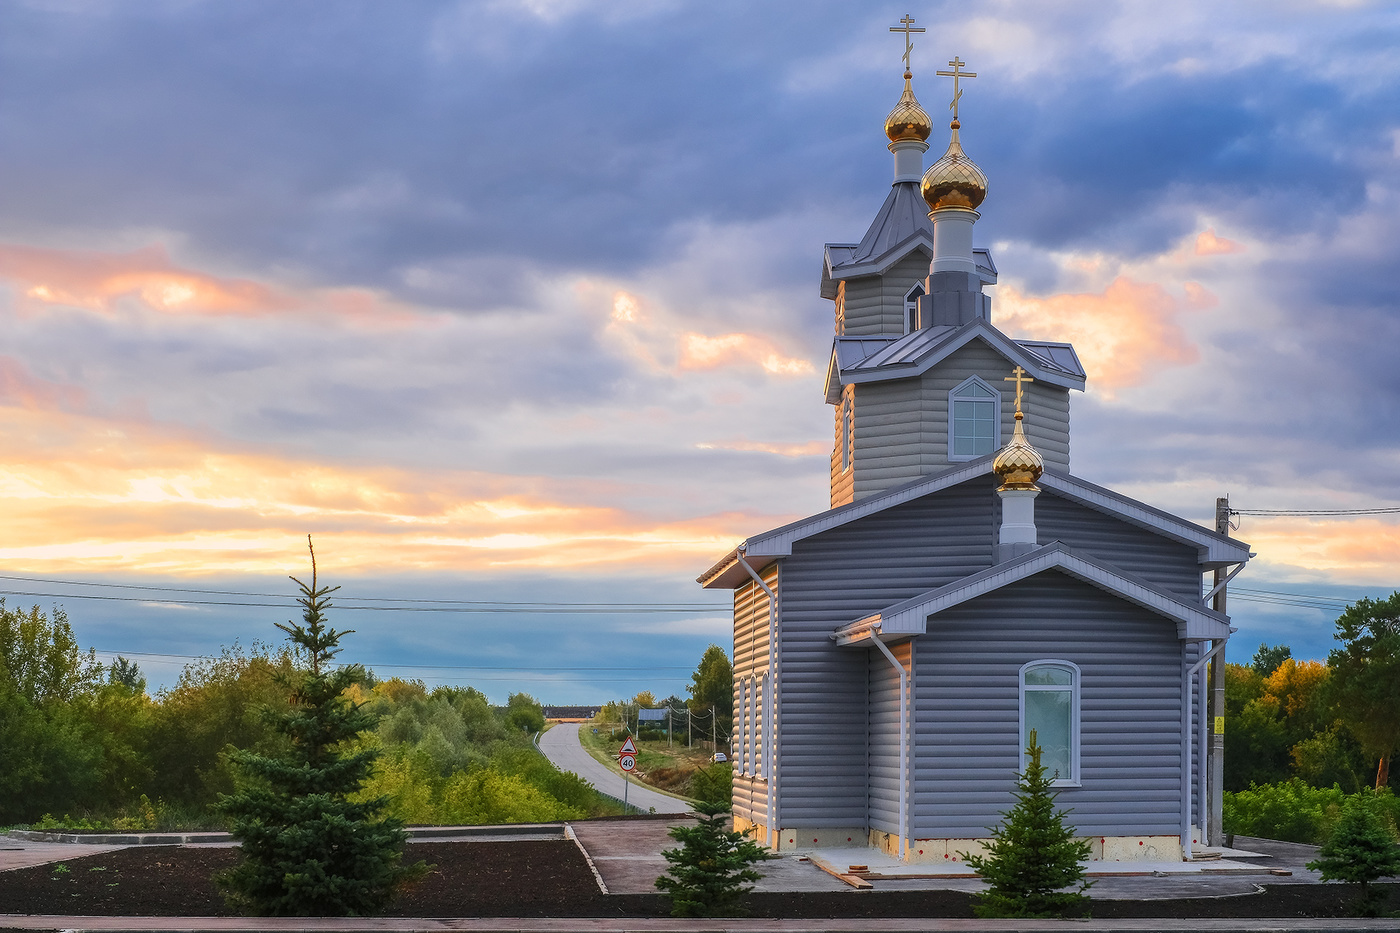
(628, 763)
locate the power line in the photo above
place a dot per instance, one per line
(494, 608)
(374, 599)
(420, 667)
(1301, 512)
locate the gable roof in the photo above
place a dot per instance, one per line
(877, 359)
(1213, 550)
(910, 617)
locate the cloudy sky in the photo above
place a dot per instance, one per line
(515, 302)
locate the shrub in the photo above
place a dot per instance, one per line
(713, 784)
(1290, 811)
(1033, 855)
(1361, 850)
(709, 872)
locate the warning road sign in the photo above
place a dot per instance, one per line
(628, 748)
(628, 763)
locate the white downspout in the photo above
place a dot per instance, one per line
(1186, 742)
(769, 747)
(903, 736)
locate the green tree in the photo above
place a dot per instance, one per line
(1360, 850)
(711, 871)
(1365, 681)
(712, 687)
(307, 848)
(1267, 659)
(1033, 855)
(524, 712)
(50, 755)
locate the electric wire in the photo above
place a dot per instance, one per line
(1305, 512)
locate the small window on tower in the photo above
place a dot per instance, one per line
(974, 420)
(911, 309)
(846, 434)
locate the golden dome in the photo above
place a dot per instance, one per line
(908, 120)
(1018, 463)
(954, 180)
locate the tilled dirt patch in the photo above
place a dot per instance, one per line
(544, 879)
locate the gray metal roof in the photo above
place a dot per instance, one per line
(910, 617)
(876, 359)
(1213, 550)
(900, 227)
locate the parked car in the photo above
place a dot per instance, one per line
(719, 756)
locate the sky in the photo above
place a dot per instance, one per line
(513, 304)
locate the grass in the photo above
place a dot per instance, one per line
(667, 769)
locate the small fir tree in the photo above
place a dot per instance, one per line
(1361, 850)
(1033, 855)
(709, 873)
(306, 849)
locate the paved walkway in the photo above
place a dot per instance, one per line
(561, 745)
(624, 925)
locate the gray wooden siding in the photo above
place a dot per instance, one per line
(834, 578)
(842, 481)
(886, 769)
(750, 656)
(968, 719)
(1161, 561)
(863, 306)
(901, 426)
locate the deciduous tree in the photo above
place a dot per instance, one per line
(1366, 677)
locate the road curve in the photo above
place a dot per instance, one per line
(561, 746)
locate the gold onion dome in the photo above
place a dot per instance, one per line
(908, 120)
(954, 180)
(1018, 463)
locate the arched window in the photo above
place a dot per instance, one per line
(1050, 706)
(974, 420)
(912, 322)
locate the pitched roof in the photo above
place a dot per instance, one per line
(877, 359)
(901, 227)
(1213, 550)
(910, 617)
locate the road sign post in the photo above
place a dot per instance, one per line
(627, 760)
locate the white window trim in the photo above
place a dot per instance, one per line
(911, 314)
(847, 433)
(1074, 733)
(952, 422)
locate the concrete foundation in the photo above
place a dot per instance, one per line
(955, 851)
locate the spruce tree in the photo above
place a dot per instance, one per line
(709, 872)
(1033, 855)
(1360, 850)
(306, 848)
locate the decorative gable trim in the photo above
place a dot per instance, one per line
(910, 617)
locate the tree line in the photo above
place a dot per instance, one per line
(85, 745)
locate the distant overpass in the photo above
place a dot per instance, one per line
(570, 713)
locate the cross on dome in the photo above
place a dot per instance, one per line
(956, 64)
(1019, 376)
(907, 26)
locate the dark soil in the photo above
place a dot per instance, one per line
(544, 879)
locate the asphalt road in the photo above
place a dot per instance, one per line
(561, 746)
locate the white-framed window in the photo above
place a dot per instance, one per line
(1050, 706)
(974, 419)
(912, 321)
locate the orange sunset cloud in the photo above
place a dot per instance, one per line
(101, 281)
(101, 494)
(1359, 550)
(1120, 333)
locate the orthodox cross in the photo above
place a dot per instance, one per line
(907, 26)
(955, 74)
(1019, 377)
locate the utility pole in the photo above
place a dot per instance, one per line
(1216, 837)
(714, 729)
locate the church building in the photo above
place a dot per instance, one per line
(893, 653)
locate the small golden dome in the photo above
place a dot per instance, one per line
(908, 120)
(1018, 463)
(954, 180)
